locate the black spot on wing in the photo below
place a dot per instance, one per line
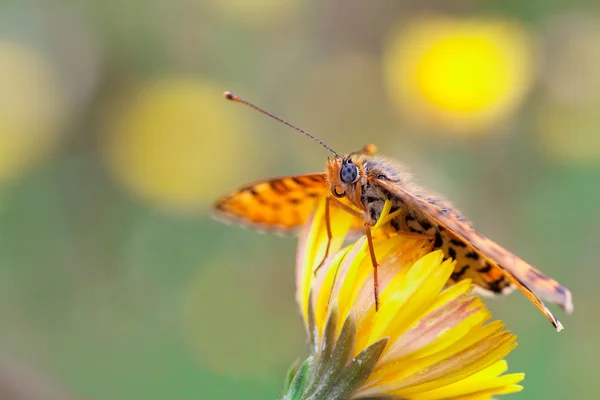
(255, 194)
(456, 275)
(485, 269)
(472, 255)
(425, 224)
(458, 243)
(438, 241)
(278, 186)
(496, 285)
(451, 252)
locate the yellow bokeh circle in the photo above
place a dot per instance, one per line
(176, 144)
(32, 109)
(458, 75)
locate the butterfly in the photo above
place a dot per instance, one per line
(360, 183)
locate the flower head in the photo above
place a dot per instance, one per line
(426, 341)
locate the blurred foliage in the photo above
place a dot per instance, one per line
(114, 140)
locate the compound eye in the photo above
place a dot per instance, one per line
(337, 194)
(349, 172)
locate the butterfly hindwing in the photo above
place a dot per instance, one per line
(523, 275)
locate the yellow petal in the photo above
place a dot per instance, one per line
(409, 371)
(486, 380)
(464, 364)
(313, 248)
(405, 298)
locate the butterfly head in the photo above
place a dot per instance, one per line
(345, 174)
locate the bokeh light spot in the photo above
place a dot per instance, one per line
(32, 109)
(458, 75)
(176, 144)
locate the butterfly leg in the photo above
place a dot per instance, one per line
(375, 265)
(329, 234)
(344, 207)
(328, 201)
(371, 248)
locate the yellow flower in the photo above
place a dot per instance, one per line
(458, 75)
(426, 341)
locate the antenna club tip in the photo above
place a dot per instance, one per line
(229, 96)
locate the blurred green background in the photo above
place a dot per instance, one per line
(115, 283)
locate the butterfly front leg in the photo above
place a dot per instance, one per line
(375, 264)
(367, 225)
(329, 200)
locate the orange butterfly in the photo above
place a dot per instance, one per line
(360, 183)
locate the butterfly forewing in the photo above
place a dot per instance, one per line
(500, 260)
(281, 204)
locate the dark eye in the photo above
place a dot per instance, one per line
(349, 172)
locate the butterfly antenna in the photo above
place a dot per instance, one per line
(233, 97)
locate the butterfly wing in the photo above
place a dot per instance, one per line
(523, 275)
(278, 204)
